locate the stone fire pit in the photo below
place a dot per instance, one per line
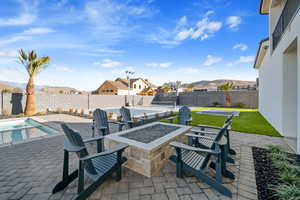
(149, 148)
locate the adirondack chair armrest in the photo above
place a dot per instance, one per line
(119, 123)
(199, 136)
(117, 149)
(208, 126)
(203, 132)
(93, 139)
(212, 127)
(99, 127)
(196, 149)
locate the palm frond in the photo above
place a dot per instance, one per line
(32, 63)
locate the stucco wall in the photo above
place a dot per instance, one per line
(271, 87)
(249, 98)
(15, 103)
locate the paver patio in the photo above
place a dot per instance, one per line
(30, 170)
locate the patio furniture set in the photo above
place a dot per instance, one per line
(146, 148)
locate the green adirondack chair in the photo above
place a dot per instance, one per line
(98, 167)
(127, 118)
(196, 160)
(101, 123)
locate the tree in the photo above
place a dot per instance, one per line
(5, 90)
(190, 87)
(33, 65)
(226, 87)
(166, 87)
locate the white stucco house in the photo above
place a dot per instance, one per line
(278, 63)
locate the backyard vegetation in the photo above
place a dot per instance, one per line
(249, 121)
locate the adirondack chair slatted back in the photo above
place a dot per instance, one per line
(100, 119)
(183, 115)
(76, 141)
(217, 139)
(125, 113)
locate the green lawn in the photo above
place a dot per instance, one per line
(249, 121)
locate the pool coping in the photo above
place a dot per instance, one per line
(39, 120)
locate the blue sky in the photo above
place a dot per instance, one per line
(90, 41)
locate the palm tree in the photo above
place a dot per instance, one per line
(33, 65)
(226, 87)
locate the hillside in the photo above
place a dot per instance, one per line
(215, 83)
(13, 86)
(59, 90)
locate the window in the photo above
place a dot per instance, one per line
(140, 86)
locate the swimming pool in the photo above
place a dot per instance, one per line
(13, 131)
(133, 111)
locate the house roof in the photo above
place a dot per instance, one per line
(118, 85)
(122, 80)
(261, 52)
(132, 80)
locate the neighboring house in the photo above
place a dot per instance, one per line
(112, 88)
(278, 63)
(120, 87)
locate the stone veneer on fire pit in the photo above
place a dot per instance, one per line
(149, 147)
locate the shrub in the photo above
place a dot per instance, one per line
(5, 90)
(110, 115)
(288, 192)
(215, 104)
(5, 112)
(290, 177)
(240, 105)
(275, 148)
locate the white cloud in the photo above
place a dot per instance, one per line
(38, 31)
(203, 29)
(13, 39)
(187, 70)
(110, 19)
(23, 19)
(108, 63)
(25, 35)
(233, 22)
(8, 54)
(110, 51)
(242, 59)
(211, 60)
(162, 65)
(246, 59)
(62, 68)
(242, 47)
(8, 57)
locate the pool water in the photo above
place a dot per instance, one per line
(133, 111)
(19, 130)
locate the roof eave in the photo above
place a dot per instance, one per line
(261, 10)
(259, 50)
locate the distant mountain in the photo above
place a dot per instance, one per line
(211, 85)
(40, 88)
(59, 90)
(22, 86)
